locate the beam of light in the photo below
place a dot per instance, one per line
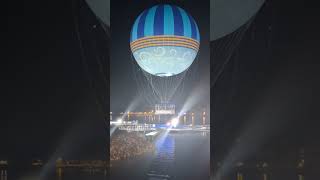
(266, 121)
(113, 129)
(71, 141)
(165, 145)
(131, 107)
(161, 139)
(199, 94)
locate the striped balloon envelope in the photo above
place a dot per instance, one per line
(164, 40)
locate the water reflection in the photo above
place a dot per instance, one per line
(164, 159)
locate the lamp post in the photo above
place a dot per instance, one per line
(239, 166)
(128, 115)
(3, 169)
(204, 118)
(192, 118)
(263, 168)
(300, 166)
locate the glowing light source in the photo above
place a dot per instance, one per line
(175, 122)
(119, 121)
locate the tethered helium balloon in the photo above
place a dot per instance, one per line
(164, 40)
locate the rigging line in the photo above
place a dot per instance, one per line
(188, 73)
(225, 45)
(222, 51)
(94, 44)
(100, 66)
(212, 85)
(180, 80)
(150, 80)
(84, 62)
(234, 77)
(154, 90)
(141, 81)
(218, 47)
(176, 86)
(151, 97)
(224, 48)
(105, 28)
(229, 55)
(152, 85)
(166, 90)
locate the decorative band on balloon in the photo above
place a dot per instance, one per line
(164, 42)
(196, 45)
(164, 39)
(176, 44)
(159, 43)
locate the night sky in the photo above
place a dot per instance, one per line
(265, 104)
(268, 93)
(50, 106)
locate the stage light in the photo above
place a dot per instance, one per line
(119, 121)
(175, 122)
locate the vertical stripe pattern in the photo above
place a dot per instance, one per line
(141, 24)
(178, 25)
(164, 20)
(158, 22)
(148, 30)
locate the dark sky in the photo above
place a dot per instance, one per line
(124, 88)
(266, 102)
(48, 103)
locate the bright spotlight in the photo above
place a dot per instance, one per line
(175, 122)
(119, 121)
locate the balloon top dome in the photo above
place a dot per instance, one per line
(165, 20)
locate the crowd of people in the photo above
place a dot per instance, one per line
(125, 145)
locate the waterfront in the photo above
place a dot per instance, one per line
(178, 156)
(69, 175)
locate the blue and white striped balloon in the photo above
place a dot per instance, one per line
(164, 40)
